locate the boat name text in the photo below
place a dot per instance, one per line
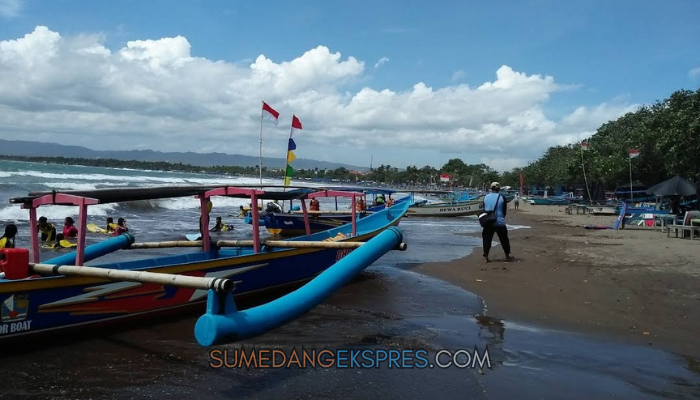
(15, 327)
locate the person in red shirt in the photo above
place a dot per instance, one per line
(69, 229)
(121, 227)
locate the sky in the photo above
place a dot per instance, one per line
(398, 82)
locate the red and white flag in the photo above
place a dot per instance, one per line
(584, 145)
(634, 153)
(444, 178)
(296, 125)
(270, 114)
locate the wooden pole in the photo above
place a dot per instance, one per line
(33, 230)
(256, 221)
(82, 232)
(217, 284)
(204, 221)
(159, 245)
(307, 226)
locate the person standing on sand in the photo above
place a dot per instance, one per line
(496, 202)
(516, 200)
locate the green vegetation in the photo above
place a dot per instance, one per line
(667, 135)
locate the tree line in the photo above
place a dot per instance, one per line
(666, 134)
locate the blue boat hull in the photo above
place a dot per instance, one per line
(293, 224)
(37, 305)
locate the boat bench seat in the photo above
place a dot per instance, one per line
(685, 225)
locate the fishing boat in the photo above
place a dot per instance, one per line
(548, 201)
(424, 209)
(75, 290)
(291, 223)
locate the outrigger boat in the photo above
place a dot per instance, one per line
(442, 209)
(291, 223)
(65, 292)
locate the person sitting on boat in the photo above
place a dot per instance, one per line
(121, 227)
(389, 202)
(111, 226)
(272, 208)
(7, 241)
(48, 230)
(360, 206)
(69, 229)
(379, 200)
(315, 205)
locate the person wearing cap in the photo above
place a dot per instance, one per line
(497, 202)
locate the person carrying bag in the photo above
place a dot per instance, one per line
(493, 221)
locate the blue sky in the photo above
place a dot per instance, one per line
(617, 54)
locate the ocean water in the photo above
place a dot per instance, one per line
(388, 306)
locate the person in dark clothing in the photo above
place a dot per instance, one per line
(496, 202)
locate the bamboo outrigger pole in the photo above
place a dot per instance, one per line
(292, 244)
(216, 284)
(251, 243)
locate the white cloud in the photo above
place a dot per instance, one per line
(694, 72)
(381, 61)
(458, 75)
(156, 93)
(10, 8)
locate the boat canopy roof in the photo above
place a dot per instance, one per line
(109, 195)
(366, 190)
(376, 190)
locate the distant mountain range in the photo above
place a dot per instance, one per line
(43, 149)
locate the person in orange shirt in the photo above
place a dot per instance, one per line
(314, 205)
(361, 206)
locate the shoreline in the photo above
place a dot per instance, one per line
(634, 285)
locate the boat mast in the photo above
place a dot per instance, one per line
(260, 162)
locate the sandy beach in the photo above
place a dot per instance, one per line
(634, 285)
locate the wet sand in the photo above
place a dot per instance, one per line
(634, 285)
(391, 305)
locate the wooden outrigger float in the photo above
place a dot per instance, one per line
(64, 292)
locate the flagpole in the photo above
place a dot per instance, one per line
(261, 127)
(631, 194)
(583, 166)
(286, 165)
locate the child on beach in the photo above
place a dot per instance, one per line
(48, 231)
(7, 241)
(220, 226)
(111, 226)
(121, 227)
(69, 229)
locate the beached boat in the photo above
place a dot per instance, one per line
(548, 201)
(424, 209)
(67, 292)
